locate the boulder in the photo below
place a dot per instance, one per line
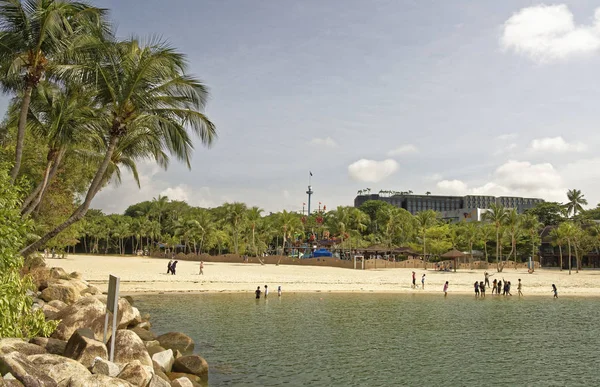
(105, 367)
(159, 372)
(11, 382)
(59, 368)
(129, 347)
(53, 346)
(129, 299)
(144, 325)
(79, 285)
(87, 312)
(66, 293)
(90, 291)
(177, 375)
(157, 381)
(84, 348)
(58, 304)
(127, 315)
(164, 359)
(58, 272)
(97, 380)
(150, 344)
(136, 374)
(144, 334)
(182, 382)
(155, 349)
(177, 341)
(9, 345)
(76, 275)
(192, 364)
(49, 311)
(24, 371)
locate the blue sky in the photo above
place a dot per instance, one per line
(452, 97)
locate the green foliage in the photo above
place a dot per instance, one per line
(548, 213)
(17, 319)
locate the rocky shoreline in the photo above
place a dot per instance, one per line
(75, 356)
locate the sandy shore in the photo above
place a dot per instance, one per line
(148, 275)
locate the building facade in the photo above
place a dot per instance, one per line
(453, 206)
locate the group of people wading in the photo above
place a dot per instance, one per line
(498, 286)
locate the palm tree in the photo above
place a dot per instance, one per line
(235, 216)
(568, 232)
(254, 216)
(532, 226)
(289, 223)
(558, 240)
(425, 220)
(35, 36)
(496, 215)
(576, 201)
(485, 233)
(513, 227)
(159, 207)
(144, 89)
(468, 232)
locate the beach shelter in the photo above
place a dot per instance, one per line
(454, 255)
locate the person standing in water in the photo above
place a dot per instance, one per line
(482, 289)
(201, 268)
(555, 291)
(423, 282)
(494, 284)
(279, 291)
(476, 286)
(446, 289)
(266, 291)
(519, 286)
(499, 287)
(257, 292)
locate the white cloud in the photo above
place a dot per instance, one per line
(548, 32)
(403, 150)
(180, 193)
(555, 145)
(507, 136)
(514, 178)
(371, 171)
(327, 142)
(452, 187)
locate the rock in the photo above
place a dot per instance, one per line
(177, 341)
(127, 314)
(24, 371)
(157, 381)
(83, 348)
(59, 368)
(159, 372)
(136, 374)
(76, 275)
(144, 325)
(90, 291)
(177, 375)
(97, 380)
(182, 382)
(150, 344)
(58, 272)
(9, 345)
(155, 349)
(50, 312)
(66, 293)
(12, 383)
(178, 354)
(144, 334)
(87, 312)
(129, 347)
(192, 364)
(53, 346)
(105, 367)
(79, 285)
(164, 359)
(58, 304)
(129, 299)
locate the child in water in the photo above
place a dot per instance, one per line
(555, 291)
(446, 289)
(257, 292)
(279, 290)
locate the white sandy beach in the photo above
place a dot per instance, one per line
(148, 275)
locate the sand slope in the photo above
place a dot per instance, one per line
(149, 275)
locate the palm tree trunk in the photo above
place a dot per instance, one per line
(38, 194)
(569, 242)
(80, 212)
(515, 249)
(497, 249)
(560, 254)
(253, 242)
(21, 133)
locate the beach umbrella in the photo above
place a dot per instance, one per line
(453, 254)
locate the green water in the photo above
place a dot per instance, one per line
(326, 339)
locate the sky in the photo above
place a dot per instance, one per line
(452, 97)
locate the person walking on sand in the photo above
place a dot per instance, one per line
(257, 292)
(476, 286)
(201, 268)
(170, 266)
(279, 291)
(519, 286)
(414, 280)
(174, 267)
(555, 291)
(266, 291)
(423, 282)
(494, 284)
(446, 289)
(487, 278)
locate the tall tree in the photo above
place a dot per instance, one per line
(496, 215)
(532, 226)
(425, 220)
(235, 217)
(35, 36)
(254, 216)
(576, 202)
(143, 88)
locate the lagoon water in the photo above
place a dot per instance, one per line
(330, 339)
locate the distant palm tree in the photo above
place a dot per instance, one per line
(254, 216)
(576, 201)
(497, 215)
(532, 226)
(513, 227)
(235, 217)
(425, 220)
(568, 232)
